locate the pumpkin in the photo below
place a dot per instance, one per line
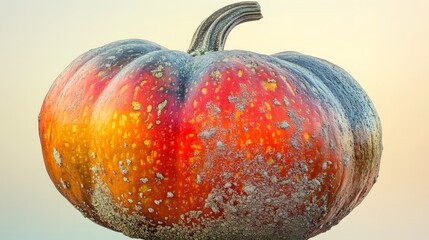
(209, 143)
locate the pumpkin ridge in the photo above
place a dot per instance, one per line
(63, 119)
(361, 115)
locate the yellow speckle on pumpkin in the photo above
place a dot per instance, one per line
(240, 73)
(270, 161)
(125, 135)
(134, 116)
(123, 120)
(101, 74)
(149, 159)
(158, 72)
(267, 106)
(146, 142)
(216, 75)
(115, 115)
(204, 91)
(161, 106)
(74, 128)
(195, 146)
(149, 108)
(136, 90)
(124, 88)
(269, 84)
(136, 105)
(150, 126)
(195, 103)
(143, 188)
(306, 136)
(290, 88)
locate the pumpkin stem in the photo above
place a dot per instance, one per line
(212, 32)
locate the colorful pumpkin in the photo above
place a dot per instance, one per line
(209, 144)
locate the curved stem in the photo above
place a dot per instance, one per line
(212, 32)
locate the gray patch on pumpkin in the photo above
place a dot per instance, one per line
(208, 133)
(239, 103)
(286, 101)
(213, 109)
(346, 160)
(283, 125)
(220, 145)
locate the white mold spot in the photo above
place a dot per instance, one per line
(95, 170)
(249, 189)
(65, 184)
(159, 176)
(346, 160)
(220, 145)
(274, 179)
(325, 165)
(170, 195)
(199, 179)
(57, 157)
(122, 168)
(144, 180)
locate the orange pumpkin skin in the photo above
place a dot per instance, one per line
(229, 144)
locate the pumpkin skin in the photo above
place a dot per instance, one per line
(206, 144)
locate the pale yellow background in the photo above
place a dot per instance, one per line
(383, 44)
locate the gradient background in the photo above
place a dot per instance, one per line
(384, 44)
